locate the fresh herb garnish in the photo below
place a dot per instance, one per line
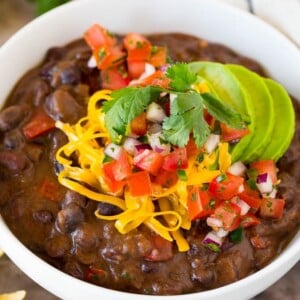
(236, 236)
(186, 117)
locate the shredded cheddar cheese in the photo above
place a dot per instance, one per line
(164, 212)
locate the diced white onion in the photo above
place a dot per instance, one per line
(149, 70)
(130, 145)
(155, 113)
(242, 205)
(92, 63)
(212, 237)
(154, 128)
(241, 188)
(271, 195)
(237, 169)
(155, 141)
(264, 183)
(221, 233)
(172, 98)
(214, 222)
(114, 151)
(212, 142)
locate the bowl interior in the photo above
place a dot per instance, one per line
(205, 18)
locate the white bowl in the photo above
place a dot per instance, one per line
(209, 19)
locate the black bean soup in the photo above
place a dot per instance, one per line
(59, 225)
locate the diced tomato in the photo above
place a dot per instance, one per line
(136, 68)
(39, 124)
(49, 189)
(200, 203)
(208, 117)
(191, 148)
(138, 125)
(156, 79)
(134, 41)
(149, 160)
(229, 214)
(108, 57)
(272, 208)
(225, 186)
(259, 242)
(265, 166)
(251, 197)
(162, 249)
(158, 56)
(166, 178)
(115, 78)
(114, 185)
(231, 134)
(176, 160)
(139, 184)
(97, 36)
(249, 220)
(122, 167)
(94, 274)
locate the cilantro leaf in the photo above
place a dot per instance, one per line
(126, 104)
(222, 112)
(181, 77)
(186, 118)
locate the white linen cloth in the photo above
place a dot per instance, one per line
(282, 14)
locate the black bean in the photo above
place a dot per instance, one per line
(55, 53)
(12, 116)
(148, 267)
(69, 218)
(34, 151)
(61, 105)
(14, 139)
(43, 216)
(108, 209)
(74, 269)
(86, 237)
(70, 75)
(15, 161)
(57, 246)
(73, 197)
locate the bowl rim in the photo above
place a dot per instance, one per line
(10, 242)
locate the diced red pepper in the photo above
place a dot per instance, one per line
(39, 124)
(229, 214)
(139, 125)
(139, 184)
(266, 166)
(225, 186)
(149, 160)
(272, 208)
(231, 134)
(176, 160)
(200, 203)
(162, 249)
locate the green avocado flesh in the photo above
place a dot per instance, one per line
(265, 102)
(284, 128)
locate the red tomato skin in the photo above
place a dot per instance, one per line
(149, 160)
(176, 160)
(266, 166)
(199, 204)
(166, 178)
(227, 188)
(122, 167)
(272, 208)
(162, 249)
(249, 220)
(139, 184)
(159, 58)
(113, 79)
(229, 214)
(134, 41)
(231, 134)
(108, 57)
(251, 197)
(136, 68)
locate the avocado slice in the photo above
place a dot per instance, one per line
(284, 128)
(223, 84)
(227, 87)
(263, 114)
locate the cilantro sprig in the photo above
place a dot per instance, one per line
(186, 114)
